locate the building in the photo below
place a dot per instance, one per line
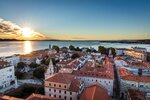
(64, 63)
(94, 92)
(136, 53)
(103, 76)
(120, 51)
(63, 86)
(141, 55)
(140, 49)
(14, 60)
(137, 95)
(135, 82)
(28, 58)
(7, 74)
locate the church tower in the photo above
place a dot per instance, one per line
(50, 69)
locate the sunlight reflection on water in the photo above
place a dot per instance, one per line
(27, 47)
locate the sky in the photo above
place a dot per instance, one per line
(80, 19)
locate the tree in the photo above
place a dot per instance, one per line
(39, 72)
(71, 47)
(21, 65)
(78, 49)
(18, 74)
(102, 50)
(56, 48)
(75, 55)
(33, 65)
(88, 50)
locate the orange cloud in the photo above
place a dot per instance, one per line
(9, 30)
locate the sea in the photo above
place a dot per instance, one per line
(8, 48)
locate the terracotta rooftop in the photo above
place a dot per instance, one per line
(5, 97)
(61, 78)
(93, 74)
(65, 61)
(75, 85)
(3, 63)
(137, 78)
(123, 72)
(139, 64)
(40, 97)
(94, 92)
(66, 79)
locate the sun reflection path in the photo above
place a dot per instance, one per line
(27, 47)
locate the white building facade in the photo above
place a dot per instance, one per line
(7, 74)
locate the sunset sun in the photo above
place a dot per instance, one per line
(27, 32)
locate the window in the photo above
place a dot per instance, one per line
(49, 84)
(65, 92)
(59, 91)
(141, 85)
(55, 96)
(59, 96)
(54, 84)
(54, 90)
(70, 93)
(65, 97)
(59, 85)
(49, 94)
(65, 86)
(70, 98)
(49, 89)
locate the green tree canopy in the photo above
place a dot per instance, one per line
(71, 47)
(78, 49)
(56, 48)
(102, 50)
(39, 72)
(21, 65)
(33, 65)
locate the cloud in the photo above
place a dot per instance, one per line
(9, 30)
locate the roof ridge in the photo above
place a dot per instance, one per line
(93, 93)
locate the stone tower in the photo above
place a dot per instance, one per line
(49, 70)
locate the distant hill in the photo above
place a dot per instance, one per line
(146, 41)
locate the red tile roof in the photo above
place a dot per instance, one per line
(93, 74)
(61, 78)
(137, 78)
(40, 97)
(94, 92)
(4, 63)
(66, 79)
(139, 64)
(65, 62)
(5, 97)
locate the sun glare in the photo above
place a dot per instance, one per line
(27, 32)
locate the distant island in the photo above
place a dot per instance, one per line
(143, 41)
